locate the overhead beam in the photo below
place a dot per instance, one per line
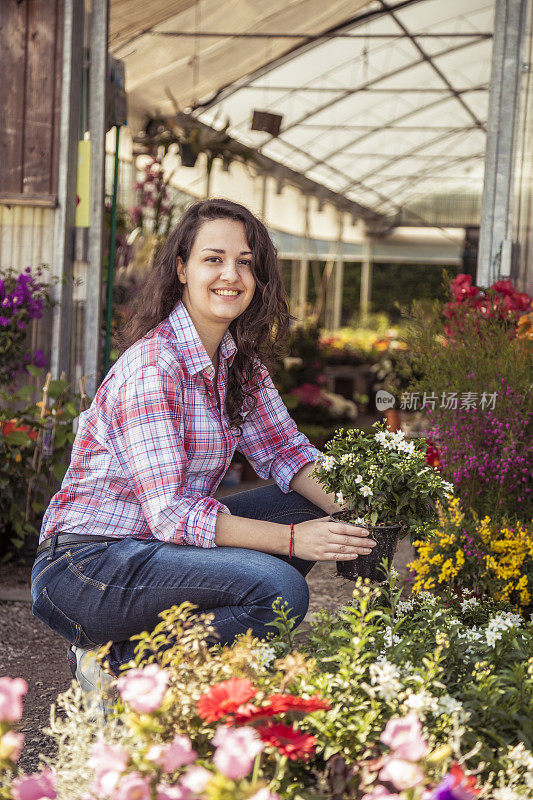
(348, 93)
(395, 159)
(367, 89)
(231, 88)
(307, 36)
(429, 60)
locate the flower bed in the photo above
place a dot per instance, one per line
(389, 698)
(494, 559)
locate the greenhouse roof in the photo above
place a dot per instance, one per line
(385, 103)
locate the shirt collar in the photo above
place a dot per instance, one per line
(193, 351)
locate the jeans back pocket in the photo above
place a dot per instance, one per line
(45, 610)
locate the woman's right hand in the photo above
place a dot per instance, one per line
(325, 539)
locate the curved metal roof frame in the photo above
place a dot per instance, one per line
(362, 100)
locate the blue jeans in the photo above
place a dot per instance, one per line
(108, 591)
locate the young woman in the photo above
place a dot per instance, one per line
(134, 528)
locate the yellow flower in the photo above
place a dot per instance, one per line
(18, 458)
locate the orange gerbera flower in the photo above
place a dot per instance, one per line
(225, 697)
(288, 740)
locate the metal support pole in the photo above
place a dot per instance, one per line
(264, 197)
(97, 123)
(111, 266)
(509, 20)
(366, 281)
(65, 215)
(339, 278)
(304, 265)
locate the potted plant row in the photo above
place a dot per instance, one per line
(384, 483)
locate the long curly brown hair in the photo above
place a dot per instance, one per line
(259, 332)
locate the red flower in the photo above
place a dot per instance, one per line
(503, 287)
(462, 288)
(11, 427)
(462, 781)
(432, 456)
(224, 697)
(288, 740)
(279, 704)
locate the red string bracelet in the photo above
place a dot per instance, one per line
(291, 543)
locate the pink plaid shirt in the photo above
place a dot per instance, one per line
(153, 446)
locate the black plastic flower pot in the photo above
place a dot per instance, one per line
(370, 566)
(188, 155)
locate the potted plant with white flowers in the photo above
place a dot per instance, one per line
(385, 485)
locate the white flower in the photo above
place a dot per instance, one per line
(382, 438)
(345, 458)
(366, 491)
(507, 793)
(469, 603)
(406, 447)
(449, 487)
(385, 676)
(359, 521)
(328, 463)
(358, 479)
(500, 623)
(265, 654)
(421, 701)
(449, 705)
(404, 607)
(521, 757)
(339, 498)
(389, 639)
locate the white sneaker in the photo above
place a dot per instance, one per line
(94, 681)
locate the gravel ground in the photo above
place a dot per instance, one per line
(28, 649)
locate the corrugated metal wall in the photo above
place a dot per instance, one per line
(26, 236)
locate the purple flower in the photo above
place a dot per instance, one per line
(39, 360)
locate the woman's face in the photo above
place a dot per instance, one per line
(218, 279)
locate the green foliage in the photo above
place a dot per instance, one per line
(34, 454)
(382, 477)
(466, 670)
(469, 357)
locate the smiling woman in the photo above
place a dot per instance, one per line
(135, 528)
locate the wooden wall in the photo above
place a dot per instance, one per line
(30, 85)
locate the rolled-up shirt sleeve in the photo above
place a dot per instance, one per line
(270, 439)
(145, 436)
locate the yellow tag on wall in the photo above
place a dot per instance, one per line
(83, 188)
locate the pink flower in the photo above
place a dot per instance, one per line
(108, 757)
(236, 750)
(194, 780)
(38, 786)
(402, 774)
(164, 792)
(133, 786)
(11, 691)
(11, 745)
(404, 737)
(174, 755)
(380, 793)
(265, 794)
(105, 783)
(144, 689)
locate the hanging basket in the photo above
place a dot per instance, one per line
(370, 566)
